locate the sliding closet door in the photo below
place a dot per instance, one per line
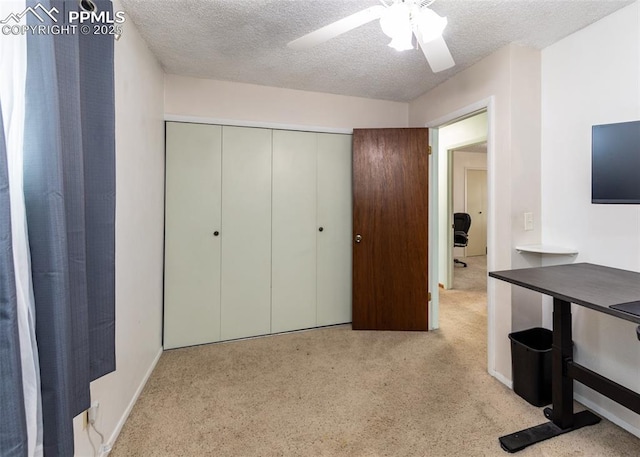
(335, 218)
(294, 231)
(192, 252)
(246, 232)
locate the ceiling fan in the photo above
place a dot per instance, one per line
(400, 20)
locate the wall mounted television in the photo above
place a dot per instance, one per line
(615, 165)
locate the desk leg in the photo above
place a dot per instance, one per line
(562, 418)
(561, 385)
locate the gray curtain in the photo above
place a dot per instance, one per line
(69, 185)
(13, 427)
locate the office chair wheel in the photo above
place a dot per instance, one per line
(464, 265)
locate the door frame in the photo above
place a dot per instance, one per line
(434, 306)
(449, 263)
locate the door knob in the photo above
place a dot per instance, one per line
(358, 238)
(216, 233)
(320, 229)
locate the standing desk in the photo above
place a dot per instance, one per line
(595, 287)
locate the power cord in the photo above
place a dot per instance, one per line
(93, 426)
(91, 418)
(95, 453)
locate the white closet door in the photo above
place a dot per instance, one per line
(334, 242)
(192, 252)
(246, 232)
(293, 302)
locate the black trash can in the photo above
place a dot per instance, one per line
(531, 364)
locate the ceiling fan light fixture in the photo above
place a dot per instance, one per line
(401, 45)
(430, 26)
(395, 20)
(400, 20)
(396, 24)
(403, 41)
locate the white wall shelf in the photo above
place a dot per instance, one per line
(546, 249)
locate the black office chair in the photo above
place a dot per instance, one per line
(461, 225)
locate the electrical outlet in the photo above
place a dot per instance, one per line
(92, 412)
(528, 221)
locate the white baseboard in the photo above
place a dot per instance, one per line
(502, 379)
(607, 414)
(105, 449)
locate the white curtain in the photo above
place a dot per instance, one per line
(13, 66)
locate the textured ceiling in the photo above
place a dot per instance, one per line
(245, 40)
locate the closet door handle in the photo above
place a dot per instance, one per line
(216, 233)
(320, 229)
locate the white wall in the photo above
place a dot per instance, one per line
(271, 106)
(510, 80)
(593, 77)
(462, 133)
(139, 234)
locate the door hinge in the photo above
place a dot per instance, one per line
(428, 296)
(429, 150)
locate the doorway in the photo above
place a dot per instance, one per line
(464, 138)
(442, 211)
(469, 196)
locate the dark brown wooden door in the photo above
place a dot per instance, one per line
(390, 229)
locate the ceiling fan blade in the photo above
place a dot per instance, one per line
(337, 28)
(437, 54)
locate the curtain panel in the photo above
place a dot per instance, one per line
(13, 427)
(69, 189)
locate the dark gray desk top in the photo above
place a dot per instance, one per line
(585, 284)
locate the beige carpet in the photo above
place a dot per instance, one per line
(473, 276)
(338, 392)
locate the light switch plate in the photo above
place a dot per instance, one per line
(528, 221)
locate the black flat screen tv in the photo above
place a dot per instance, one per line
(615, 165)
